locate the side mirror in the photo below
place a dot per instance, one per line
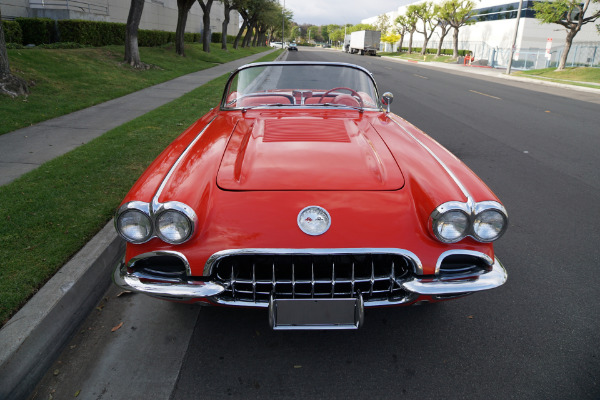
(387, 99)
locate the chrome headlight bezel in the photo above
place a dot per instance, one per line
(489, 207)
(180, 209)
(134, 207)
(472, 213)
(444, 210)
(153, 214)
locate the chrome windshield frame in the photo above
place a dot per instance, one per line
(223, 103)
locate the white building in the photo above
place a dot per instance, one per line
(490, 38)
(158, 14)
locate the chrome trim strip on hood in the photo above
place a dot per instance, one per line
(463, 189)
(155, 204)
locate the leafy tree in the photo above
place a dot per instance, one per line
(325, 32)
(391, 38)
(410, 19)
(313, 32)
(228, 6)
(362, 27)
(183, 9)
(425, 12)
(443, 25)
(570, 14)
(383, 23)
(295, 32)
(337, 35)
(132, 52)
(9, 84)
(457, 13)
(402, 27)
(206, 5)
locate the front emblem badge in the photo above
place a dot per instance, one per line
(314, 220)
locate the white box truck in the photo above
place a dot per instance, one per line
(365, 42)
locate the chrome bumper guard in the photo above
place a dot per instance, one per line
(177, 289)
(153, 286)
(493, 278)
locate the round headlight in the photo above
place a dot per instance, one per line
(134, 226)
(173, 226)
(451, 226)
(489, 225)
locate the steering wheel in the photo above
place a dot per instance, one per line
(352, 91)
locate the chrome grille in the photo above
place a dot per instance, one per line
(254, 277)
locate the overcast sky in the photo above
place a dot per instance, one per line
(325, 12)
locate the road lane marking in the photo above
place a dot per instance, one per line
(421, 76)
(483, 94)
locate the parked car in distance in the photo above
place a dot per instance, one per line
(292, 47)
(275, 44)
(303, 194)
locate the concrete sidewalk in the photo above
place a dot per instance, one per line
(26, 149)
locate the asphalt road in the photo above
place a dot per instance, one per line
(536, 337)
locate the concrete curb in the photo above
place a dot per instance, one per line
(35, 336)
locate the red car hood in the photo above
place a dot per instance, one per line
(307, 154)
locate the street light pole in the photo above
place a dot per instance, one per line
(514, 41)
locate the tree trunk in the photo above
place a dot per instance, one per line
(563, 58)
(249, 31)
(255, 38)
(183, 9)
(455, 43)
(410, 38)
(9, 84)
(227, 9)
(424, 49)
(439, 49)
(206, 24)
(239, 34)
(132, 52)
(400, 45)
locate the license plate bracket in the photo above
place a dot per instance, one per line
(316, 314)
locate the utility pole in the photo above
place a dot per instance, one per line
(514, 41)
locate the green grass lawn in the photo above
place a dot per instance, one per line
(571, 76)
(68, 80)
(47, 215)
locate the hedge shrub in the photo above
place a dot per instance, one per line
(12, 32)
(37, 30)
(189, 37)
(87, 33)
(216, 37)
(91, 33)
(148, 38)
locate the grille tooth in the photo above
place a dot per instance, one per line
(253, 278)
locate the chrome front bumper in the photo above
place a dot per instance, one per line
(178, 290)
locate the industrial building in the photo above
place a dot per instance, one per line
(158, 14)
(490, 37)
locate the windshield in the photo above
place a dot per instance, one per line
(301, 85)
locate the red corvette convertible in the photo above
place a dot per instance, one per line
(303, 194)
